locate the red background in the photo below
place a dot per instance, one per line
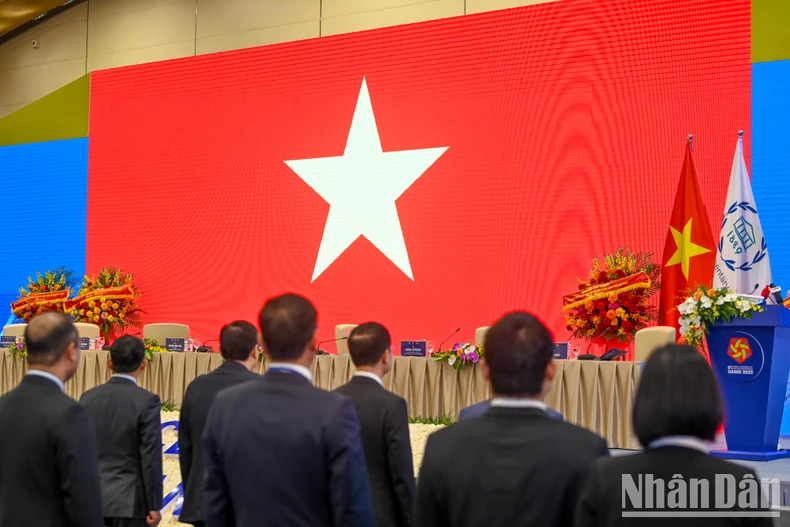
(565, 124)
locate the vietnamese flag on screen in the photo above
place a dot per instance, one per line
(429, 176)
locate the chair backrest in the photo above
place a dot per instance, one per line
(647, 340)
(161, 332)
(343, 330)
(480, 335)
(14, 330)
(87, 330)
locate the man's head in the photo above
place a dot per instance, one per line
(52, 344)
(519, 354)
(369, 345)
(127, 355)
(239, 341)
(288, 327)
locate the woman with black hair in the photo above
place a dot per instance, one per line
(674, 480)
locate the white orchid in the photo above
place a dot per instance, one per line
(451, 360)
(720, 301)
(730, 297)
(687, 307)
(706, 302)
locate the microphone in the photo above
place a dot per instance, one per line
(205, 348)
(756, 287)
(587, 355)
(766, 292)
(448, 338)
(319, 351)
(776, 293)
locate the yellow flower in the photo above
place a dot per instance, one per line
(103, 300)
(96, 310)
(596, 320)
(588, 305)
(120, 315)
(621, 313)
(103, 306)
(91, 304)
(110, 318)
(615, 321)
(115, 305)
(613, 297)
(82, 312)
(96, 319)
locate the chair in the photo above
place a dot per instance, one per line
(14, 330)
(161, 332)
(480, 335)
(343, 330)
(87, 330)
(647, 340)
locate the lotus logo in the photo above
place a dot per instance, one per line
(739, 350)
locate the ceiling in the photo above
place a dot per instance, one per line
(16, 13)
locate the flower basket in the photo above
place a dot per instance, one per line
(47, 292)
(706, 306)
(460, 355)
(109, 301)
(614, 300)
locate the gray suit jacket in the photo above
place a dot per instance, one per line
(480, 408)
(129, 433)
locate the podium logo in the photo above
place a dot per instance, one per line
(723, 496)
(739, 350)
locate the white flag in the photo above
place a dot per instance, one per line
(742, 263)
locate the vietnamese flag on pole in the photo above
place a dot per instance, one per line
(689, 252)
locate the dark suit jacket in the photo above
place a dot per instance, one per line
(508, 467)
(194, 411)
(48, 468)
(281, 452)
(129, 432)
(601, 503)
(385, 438)
(480, 408)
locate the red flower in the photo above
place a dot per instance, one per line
(628, 325)
(569, 328)
(44, 288)
(600, 304)
(620, 273)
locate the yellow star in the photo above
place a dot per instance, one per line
(686, 250)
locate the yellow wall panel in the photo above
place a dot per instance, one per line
(142, 55)
(5, 110)
(258, 37)
(24, 85)
(225, 17)
(391, 16)
(170, 23)
(101, 8)
(479, 6)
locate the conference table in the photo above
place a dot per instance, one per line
(593, 394)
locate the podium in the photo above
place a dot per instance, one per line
(751, 359)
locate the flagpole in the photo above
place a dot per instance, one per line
(691, 142)
(740, 135)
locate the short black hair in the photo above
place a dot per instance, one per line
(47, 336)
(127, 353)
(518, 348)
(367, 343)
(677, 396)
(237, 340)
(288, 323)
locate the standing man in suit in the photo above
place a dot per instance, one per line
(280, 451)
(481, 408)
(129, 431)
(48, 468)
(513, 465)
(385, 426)
(238, 343)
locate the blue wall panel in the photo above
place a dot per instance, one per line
(43, 217)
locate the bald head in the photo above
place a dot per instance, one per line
(47, 337)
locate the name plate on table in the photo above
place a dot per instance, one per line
(85, 343)
(413, 348)
(7, 342)
(175, 344)
(561, 350)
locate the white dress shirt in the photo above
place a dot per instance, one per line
(693, 443)
(125, 376)
(296, 368)
(508, 402)
(369, 376)
(47, 375)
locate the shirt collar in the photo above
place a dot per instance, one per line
(125, 376)
(369, 375)
(296, 368)
(693, 443)
(509, 402)
(47, 375)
